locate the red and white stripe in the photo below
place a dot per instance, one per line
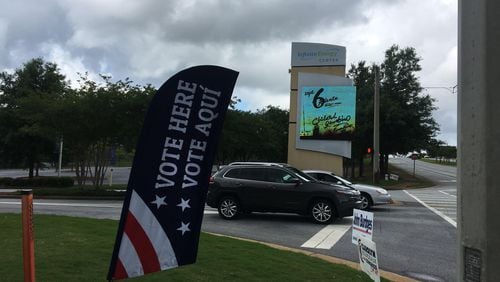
(145, 247)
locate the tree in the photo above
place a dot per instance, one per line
(26, 97)
(363, 77)
(440, 151)
(273, 134)
(261, 135)
(107, 116)
(238, 140)
(406, 114)
(406, 121)
(433, 148)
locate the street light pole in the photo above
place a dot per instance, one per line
(478, 135)
(376, 133)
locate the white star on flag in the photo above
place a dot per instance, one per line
(184, 227)
(159, 201)
(184, 204)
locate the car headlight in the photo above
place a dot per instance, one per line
(348, 191)
(382, 191)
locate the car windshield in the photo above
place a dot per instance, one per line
(344, 180)
(303, 176)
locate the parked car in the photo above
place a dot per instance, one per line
(370, 195)
(271, 187)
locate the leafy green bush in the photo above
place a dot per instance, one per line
(78, 191)
(6, 181)
(46, 181)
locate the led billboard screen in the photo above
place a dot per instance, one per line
(327, 112)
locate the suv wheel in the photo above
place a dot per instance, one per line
(229, 208)
(366, 202)
(322, 211)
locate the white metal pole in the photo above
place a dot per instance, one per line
(111, 177)
(60, 158)
(376, 133)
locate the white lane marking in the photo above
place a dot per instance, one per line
(327, 237)
(448, 219)
(11, 203)
(448, 194)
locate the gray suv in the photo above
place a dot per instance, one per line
(271, 187)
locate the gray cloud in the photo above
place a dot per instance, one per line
(149, 40)
(115, 33)
(208, 21)
(29, 23)
(234, 21)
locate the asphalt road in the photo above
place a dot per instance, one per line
(442, 198)
(434, 172)
(412, 238)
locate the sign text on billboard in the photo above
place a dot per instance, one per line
(328, 112)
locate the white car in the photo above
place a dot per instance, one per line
(370, 195)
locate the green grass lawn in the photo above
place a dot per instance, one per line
(79, 249)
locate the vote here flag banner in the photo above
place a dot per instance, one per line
(163, 209)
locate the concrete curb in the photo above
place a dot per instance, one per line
(386, 274)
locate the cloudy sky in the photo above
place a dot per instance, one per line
(149, 40)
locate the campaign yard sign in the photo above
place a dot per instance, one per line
(368, 260)
(163, 209)
(362, 225)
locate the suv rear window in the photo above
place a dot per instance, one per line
(233, 173)
(249, 173)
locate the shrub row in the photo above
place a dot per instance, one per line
(46, 181)
(78, 191)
